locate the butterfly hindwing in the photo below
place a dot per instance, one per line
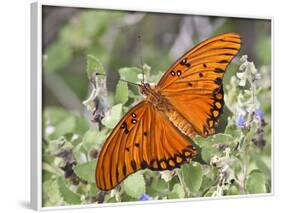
(194, 83)
(149, 142)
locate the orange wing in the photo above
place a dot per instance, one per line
(194, 83)
(143, 138)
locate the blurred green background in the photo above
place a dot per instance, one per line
(71, 141)
(70, 34)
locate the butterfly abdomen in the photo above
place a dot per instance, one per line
(180, 122)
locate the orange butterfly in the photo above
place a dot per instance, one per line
(157, 132)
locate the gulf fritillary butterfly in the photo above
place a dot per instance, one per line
(156, 133)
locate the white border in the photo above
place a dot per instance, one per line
(36, 99)
(36, 106)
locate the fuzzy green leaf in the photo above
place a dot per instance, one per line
(69, 196)
(233, 130)
(210, 192)
(233, 190)
(93, 138)
(94, 189)
(64, 127)
(256, 182)
(58, 122)
(222, 138)
(86, 171)
(94, 65)
(51, 168)
(80, 153)
(219, 138)
(207, 153)
(51, 194)
(115, 115)
(177, 192)
(193, 176)
(129, 73)
(134, 185)
(122, 93)
(201, 141)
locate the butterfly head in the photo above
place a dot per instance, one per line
(145, 88)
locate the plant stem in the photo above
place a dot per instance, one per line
(245, 160)
(117, 196)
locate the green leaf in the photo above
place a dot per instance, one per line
(201, 141)
(222, 138)
(134, 185)
(51, 168)
(157, 187)
(93, 66)
(207, 183)
(109, 199)
(122, 93)
(94, 189)
(177, 192)
(86, 171)
(256, 182)
(58, 122)
(233, 130)
(73, 138)
(263, 163)
(233, 190)
(219, 138)
(115, 115)
(129, 73)
(193, 176)
(51, 194)
(207, 153)
(80, 153)
(210, 192)
(81, 124)
(93, 138)
(64, 127)
(69, 196)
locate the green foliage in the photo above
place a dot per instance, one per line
(134, 185)
(68, 196)
(234, 164)
(256, 182)
(129, 73)
(114, 116)
(177, 192)
(122, 93)
(93, 138)
(94, 66)
(86, 171)
(193, 176)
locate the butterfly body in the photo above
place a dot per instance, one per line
(157, 132)
(158, 101)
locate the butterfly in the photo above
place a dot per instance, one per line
(157, 132)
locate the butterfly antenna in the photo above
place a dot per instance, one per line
(141, 60)
(119, 79)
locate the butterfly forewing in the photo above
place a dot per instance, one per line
(193, 85)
